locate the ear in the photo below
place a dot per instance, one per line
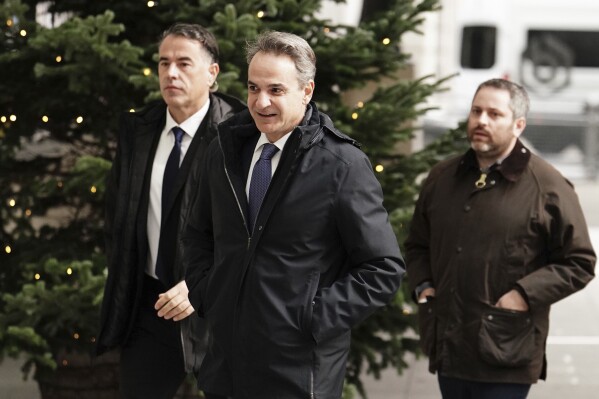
(213, 71)
(308, 92)
(519, 125)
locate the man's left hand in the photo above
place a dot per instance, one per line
(512, 301)
(174, 304)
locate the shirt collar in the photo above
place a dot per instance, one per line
(511, 167)
(280, 143)
(191, 124)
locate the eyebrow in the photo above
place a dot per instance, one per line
(278, 85)
(185, 58)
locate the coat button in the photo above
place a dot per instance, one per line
(458, 249)
(492, 182)
(490, 317)
(467, 208)
(259, 227)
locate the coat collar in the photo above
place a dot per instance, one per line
(511, 168)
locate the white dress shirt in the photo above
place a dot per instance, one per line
(165, 146)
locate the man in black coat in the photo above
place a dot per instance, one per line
(145, 310)
(288, 245)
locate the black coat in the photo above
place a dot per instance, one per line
(281, 300)
(127, 199)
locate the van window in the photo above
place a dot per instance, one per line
(478, 47)
(565, 47)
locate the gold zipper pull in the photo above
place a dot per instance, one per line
(482, 180)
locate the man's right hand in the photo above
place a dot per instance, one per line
(426, 293)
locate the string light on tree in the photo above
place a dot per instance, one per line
(132, 110)
(23, 32)
(3, 119)
(360, 104)
(9, 22)
(151, 3)
(7, 249)
(69, 271)
(260, 14)
(354, 116)
(37, 276)
(58, 58)
(386, 41)
(13, 118)
(27, 212)
(93, 189)
(379, 168)
(12, 202)
(45, 119)
(79, 119)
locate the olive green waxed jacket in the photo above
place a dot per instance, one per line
(522, 229)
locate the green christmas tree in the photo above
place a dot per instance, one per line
(63, 89)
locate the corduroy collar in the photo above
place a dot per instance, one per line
(511, 168)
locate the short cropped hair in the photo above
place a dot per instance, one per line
(519, 102)
(194, 32)
(282, 43)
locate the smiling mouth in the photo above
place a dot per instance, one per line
(265, 115)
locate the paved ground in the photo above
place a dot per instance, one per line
(573, 346)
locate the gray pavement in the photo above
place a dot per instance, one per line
(572, 351)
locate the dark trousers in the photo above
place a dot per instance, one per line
(152, 359)
(456, 388)
(152, 365)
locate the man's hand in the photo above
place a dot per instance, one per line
(425, 293)
(512, 301)
(174, 304)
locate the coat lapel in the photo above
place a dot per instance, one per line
(190, 159)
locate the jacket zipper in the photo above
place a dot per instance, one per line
(238, 206)
(311, 383)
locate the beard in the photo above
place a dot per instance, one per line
(481, 148)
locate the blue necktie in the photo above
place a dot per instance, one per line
(260, 180)
(168, 181)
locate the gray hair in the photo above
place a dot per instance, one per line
(194, 32)
(519, 102)
(282, 43)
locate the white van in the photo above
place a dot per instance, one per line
(549, 46)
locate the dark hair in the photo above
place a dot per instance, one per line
(519, 102)
(194, 32)
(282, 43)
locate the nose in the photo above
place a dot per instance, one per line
(483, 118)
(262, 100)
(172, 70)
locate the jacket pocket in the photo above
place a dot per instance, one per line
(308, 306)
(427, 321)
(506, 337)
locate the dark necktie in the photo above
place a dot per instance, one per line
(260, 180)
(168, 181)
(172, 167)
